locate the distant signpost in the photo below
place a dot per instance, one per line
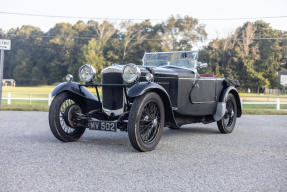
(4, 45)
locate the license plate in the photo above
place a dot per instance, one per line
(103, 125)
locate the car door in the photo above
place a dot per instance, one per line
(204, 91)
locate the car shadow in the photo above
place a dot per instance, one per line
(117, 142)
(187, 130)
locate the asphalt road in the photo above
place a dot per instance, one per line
(194, 158)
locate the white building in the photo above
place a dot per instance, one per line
(9, 82)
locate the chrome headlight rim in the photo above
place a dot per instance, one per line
(92, 74)
(133, 70)
(149, 77)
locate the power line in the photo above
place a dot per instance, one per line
(135, 19)
(243, 18)
(68, 17)
(144, 39)
(75, 37)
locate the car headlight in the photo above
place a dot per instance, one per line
(131, 73)
(87, 73)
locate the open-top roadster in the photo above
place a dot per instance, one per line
(166, 90)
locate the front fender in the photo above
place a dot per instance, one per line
(90, 100)
(144, 87)
(74, 88)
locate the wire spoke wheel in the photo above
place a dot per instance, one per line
(146, 121)
(149, 122)
(63, 111)
(62, 117)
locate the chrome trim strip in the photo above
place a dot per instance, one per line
(116, 112)
(203, 102)
(114, 68)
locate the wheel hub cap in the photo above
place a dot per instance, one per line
(154, 123)
(68, 115)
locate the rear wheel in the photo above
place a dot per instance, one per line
(61, 118)
(227, 123)
(146, 121)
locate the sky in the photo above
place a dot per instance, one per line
(147, 9)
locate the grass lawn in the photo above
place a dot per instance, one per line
(260, 95)
(264, 109)
(35, 89)
(44, 91)
(27, 92)
(25, 106)
(34, 92)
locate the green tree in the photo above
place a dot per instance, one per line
(181, 33)
(24, 55)
(132, 35)
(45, 58)
(93, 52)
(255, 62)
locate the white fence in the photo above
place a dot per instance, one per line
(9, 99)
(277, 103)
(49, 100)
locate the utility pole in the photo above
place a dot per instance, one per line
(4, 45)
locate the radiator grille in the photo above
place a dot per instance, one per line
(112, 96)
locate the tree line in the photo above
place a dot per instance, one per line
(38, 57)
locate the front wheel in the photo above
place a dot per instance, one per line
(61, 118)
(227, 123)
(146, 121)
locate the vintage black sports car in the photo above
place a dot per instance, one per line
(166, 90)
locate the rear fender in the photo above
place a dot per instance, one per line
(144, 87)
(220, 110)
(89, 101)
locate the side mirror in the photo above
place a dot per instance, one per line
(201, 65)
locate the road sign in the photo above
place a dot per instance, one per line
(5, 44)
(283, 80)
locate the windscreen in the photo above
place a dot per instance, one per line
(183, 59)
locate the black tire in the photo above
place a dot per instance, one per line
(227, 123)
(60, 129)
(146, 121)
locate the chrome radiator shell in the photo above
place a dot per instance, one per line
(113, 96)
